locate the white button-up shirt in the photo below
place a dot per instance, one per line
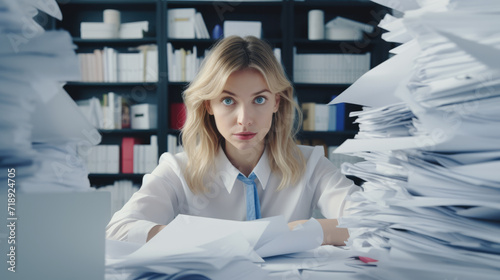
(164, 194)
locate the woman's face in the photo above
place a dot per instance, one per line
(244, 111)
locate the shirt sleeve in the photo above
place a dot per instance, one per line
(155, 203)
(332, 188)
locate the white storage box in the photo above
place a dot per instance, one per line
(242, 28)
(144, 116)
(98, 30)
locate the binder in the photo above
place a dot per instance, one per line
(127, 156)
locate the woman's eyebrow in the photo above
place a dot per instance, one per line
(256, 93)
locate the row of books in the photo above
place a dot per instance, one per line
(183, 64)
(108, 65)
(103, 159)
(132, 156)
(323, 117)
(186, 23)
(329, 68)
(114, 111)
(121, 191)
(173, 145)
(142, 159)
(110, 112)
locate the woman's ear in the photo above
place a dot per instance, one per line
(206, 103)
(277, 97)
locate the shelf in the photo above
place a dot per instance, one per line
(232, 4)
(173, 131)
(128, 131)
(322, 86)
(324, 134)
(179, 84)
(117, 41)
(114, 84)
(213, 41)
(107, 2)
(335, 46)
(103, 179)
(326, 43)
(192, 41)
(116, 175)
(336, 3)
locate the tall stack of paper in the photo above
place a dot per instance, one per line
(41, 125)
(429, 136)
(43, 176)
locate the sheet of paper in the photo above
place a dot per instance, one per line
(60, 119)
(304, 237)
(402, 6)
(368, 91)
(225, 250)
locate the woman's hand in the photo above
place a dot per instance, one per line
(154, 231)
(332, 235)
(293, 224)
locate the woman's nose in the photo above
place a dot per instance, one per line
(245, 116)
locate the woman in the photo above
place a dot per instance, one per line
(240, 161)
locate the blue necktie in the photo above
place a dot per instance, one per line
(252, 197)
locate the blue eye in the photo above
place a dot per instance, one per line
(227, 101)
(260, 100)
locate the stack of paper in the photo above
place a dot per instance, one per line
(105, 30)
(429, 136)
(225, 250)
(99, 30)
(41, 125)
(134, 30)
(341, 28)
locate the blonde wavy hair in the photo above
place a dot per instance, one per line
(200, 137)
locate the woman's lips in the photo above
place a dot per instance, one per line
(245, 135)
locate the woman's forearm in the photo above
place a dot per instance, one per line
(332, 235)
(154, 231)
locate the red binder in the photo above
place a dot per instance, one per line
(127, 154)
(177, 115)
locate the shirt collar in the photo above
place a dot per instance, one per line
(229, 173)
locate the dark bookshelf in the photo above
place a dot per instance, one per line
(284, 26)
